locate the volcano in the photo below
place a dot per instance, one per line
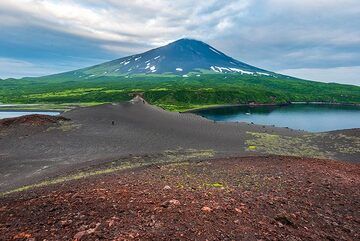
(182, 57)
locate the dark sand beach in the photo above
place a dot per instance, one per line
(34, 149)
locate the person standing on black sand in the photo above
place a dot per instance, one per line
(112, 122)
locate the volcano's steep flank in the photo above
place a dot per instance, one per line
(181, 57)
(257, 198)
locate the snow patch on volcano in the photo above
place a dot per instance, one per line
(215, 51)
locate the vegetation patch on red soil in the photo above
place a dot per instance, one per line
(33, 120)
(254, 198)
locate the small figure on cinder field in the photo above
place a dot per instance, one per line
(112, 122)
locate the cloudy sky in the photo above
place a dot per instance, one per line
(313, 39)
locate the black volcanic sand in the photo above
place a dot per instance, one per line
(35, 149)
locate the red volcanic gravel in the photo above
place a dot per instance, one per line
(253, 198)
(33, 120)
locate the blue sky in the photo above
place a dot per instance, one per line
(313, 39)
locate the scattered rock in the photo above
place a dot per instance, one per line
(112, 221)
(169, 203)
(78, 236)
(22, 235)
(238, 210)
(167, 187)
(206, 209)
(65, 222)
(284, 220)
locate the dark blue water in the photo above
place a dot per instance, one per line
(10, 114)
(308, 117)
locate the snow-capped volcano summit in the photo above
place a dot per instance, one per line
(181, 57)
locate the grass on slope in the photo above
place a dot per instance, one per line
(175, 93)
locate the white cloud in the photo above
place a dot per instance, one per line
(272, 34)
(224, 24)
(350, 6)
(121, 21)
(344, 75)
(148, 23)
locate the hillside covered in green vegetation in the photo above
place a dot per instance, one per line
(175, 93)
(182, 75)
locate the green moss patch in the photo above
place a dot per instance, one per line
(285, 145)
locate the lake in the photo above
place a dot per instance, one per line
(10, 114)
(308, 117)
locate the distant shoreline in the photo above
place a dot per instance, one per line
(325, 103)
(50, 107)
(43, 107)
(268, 104)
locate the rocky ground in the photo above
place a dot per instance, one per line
(31, 120)
(248, 198)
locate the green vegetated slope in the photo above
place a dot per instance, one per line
(175, 92)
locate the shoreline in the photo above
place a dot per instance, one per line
(61, 108)
(31, 110)
(268, 104)
(44, 107)
(231, 105)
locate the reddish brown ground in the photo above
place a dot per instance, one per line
(257, 198)
(33, 120)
